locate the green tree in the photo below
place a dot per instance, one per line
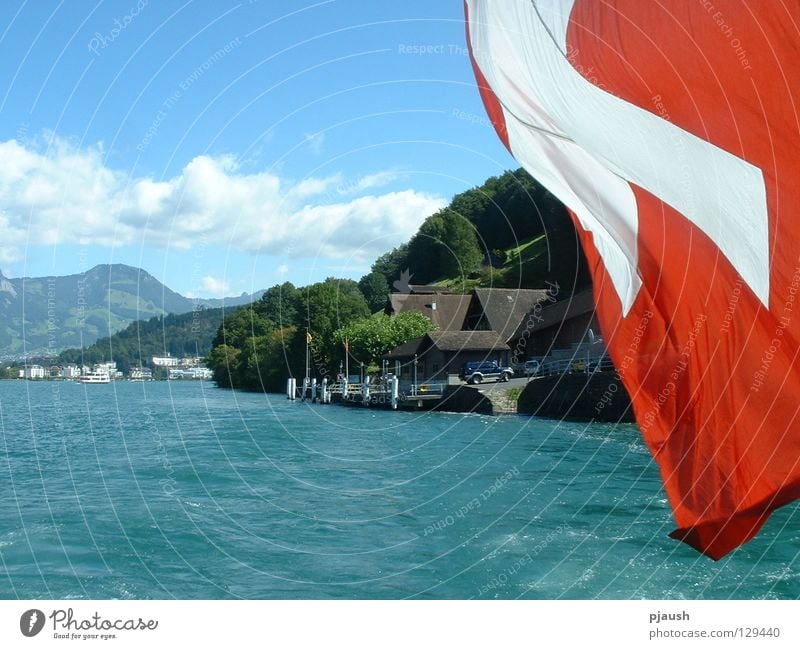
(332, 304)
(280, 304)
(262, 363)
(392, 264)
(425, 248)
(328, 306)
(253, 352)
(224, 361)
(373, 337)
(463, 255)
(510, 208)
(7, 372)
(375, 289)
(444, 247)
(240, 325)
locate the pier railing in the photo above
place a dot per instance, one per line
(575, 365)
(432, 389)
(352, 388)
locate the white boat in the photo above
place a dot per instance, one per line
(95, 377)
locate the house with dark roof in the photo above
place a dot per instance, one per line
(506, 325)
(428, 288)
(502, 310)
(439, 353)
(448, 312)
(558, 326)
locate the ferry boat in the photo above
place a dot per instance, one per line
(94, 377)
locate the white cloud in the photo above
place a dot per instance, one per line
(53, 192)
(282, 270)
(214, 287)
(364, 183)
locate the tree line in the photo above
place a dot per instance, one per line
(259, 346)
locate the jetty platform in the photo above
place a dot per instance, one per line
(579, 396)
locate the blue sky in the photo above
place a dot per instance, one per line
(227, 146)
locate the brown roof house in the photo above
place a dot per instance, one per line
(559, 325)
(472, 327)
(446, 311)
(440, 353)
(506, 325)
(502, 310)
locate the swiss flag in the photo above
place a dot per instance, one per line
(672, 132)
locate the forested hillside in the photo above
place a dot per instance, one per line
(187, 334)
(509, 232)
(259, 346)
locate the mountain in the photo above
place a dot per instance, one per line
(220, 302)
(44, 315)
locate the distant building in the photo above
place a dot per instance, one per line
(70, 371)
(164, 361)
(191, 373)
(140, 374)
(32, 372)
(109, 368)
(190, 361)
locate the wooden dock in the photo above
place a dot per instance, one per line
(390, 393)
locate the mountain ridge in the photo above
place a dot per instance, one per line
(45, 315)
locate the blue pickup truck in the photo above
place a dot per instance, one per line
(479, 371)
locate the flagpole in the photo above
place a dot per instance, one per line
(308, 336)
(346, 358)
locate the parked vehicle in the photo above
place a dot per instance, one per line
(479, 371)
(531, 368)
(603, 364)
(528, 368)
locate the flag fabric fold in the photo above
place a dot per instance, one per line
(671, 131)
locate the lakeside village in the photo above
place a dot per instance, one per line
(495, 351)
(166, 367)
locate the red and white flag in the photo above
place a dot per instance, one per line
(671, 130)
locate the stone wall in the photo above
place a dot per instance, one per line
(599, 396)
(464, 398)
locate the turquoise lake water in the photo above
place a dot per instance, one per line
(183, 490)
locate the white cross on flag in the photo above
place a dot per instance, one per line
(671, 130)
